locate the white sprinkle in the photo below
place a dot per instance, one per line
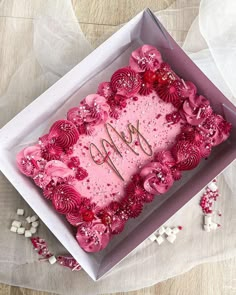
(160, 240)
(35, 224)
(28, 234)
(161, 230)
(34, 218)
(28, 219)
(13, 229)
(20, 212)
(207, 228)
(21, 230)
(171, 238)
(33, 230)
(168, 231)
(52, 260)
(16, 223)
(175, 230)
(152, 238)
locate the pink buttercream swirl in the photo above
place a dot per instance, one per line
(196, 109)
(93, 236)
(145, 58)
(94, 110)
(29, 160)
(215, 129)
(55, 171)
(157, 178)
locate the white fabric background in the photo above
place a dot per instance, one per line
(58, 44)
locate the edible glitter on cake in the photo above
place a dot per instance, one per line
(123, 146)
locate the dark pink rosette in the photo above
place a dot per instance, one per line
(145, 58)
(157, 178)
(126, 82)
(93, 236)
(215, 129)
(66, 199)
(196, 109)
(64, 133)
(187, 155)
(29, 160)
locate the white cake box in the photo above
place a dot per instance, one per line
(82, 80)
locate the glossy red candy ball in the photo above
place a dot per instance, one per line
(149, 76)
(88, 215)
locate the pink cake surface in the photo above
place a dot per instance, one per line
(123, 146)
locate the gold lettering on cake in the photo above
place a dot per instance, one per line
(104, 156)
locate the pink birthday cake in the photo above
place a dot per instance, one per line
(122, 147)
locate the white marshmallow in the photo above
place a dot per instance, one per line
(161, 230)
(168, 231)
(35, 224)
(171, 238)
(34, 218)
(152, 238)
(175, 230)
(28, 219)
(52, 260)
(212, 186)
(33, 230)
(207, 219)
(13, 229)
(20, 212)
(16, 223)
(28, 234)
(21, 230)
(214, 225)
(159, 240)
(207, 228)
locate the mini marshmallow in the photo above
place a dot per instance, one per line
(28, 234)
(20, 212)
(159, 240)
(168, 231)
(52, 260)
(16, 223)
(171, 238)
(175, 230)
(28, 219)
(21, 230)
(35, 224)
(161, 230)
(207, 219)
(33, 230)
(13, 229)
(214, 225)
(207, 228)
(152, 238)
(212, 186)
(34, 218)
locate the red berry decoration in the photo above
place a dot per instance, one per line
(81, 173)
(149, 76)
(88, 215)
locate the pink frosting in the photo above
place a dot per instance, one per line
(56, 171)
(189, 89)
(29, 160)
(215, 129)
(196, 109)
(93, 111)
(93, 236)
(145, 58)
(104, 89)
(157, 178)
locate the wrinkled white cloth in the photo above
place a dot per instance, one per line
(208, 36)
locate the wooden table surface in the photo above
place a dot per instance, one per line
(99, 19)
